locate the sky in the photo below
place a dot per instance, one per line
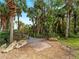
(24, 17)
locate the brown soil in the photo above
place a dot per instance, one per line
(27, 52)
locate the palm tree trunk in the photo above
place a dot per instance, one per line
(0, 24)
(67, 25)
(69, 5)
(3, 21)
(75, 23)
(11, 29)
(18, 22)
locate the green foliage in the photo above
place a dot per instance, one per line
(4, 34)
(3, 9)
(22, 27)
(72, 42)
(4, 37)
(51, 16)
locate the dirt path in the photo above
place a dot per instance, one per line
(27, 52)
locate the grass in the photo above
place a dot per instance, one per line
(73, 43)
(77, 54)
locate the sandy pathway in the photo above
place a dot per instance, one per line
(27, 52)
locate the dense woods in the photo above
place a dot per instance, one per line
(50, 18)
(54, 18)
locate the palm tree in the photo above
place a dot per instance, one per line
(3, 15)
(69, 10)
(37, 15)
(75, 22)
(13, 6)
(12, 9)
(20, 7)
(75, 14)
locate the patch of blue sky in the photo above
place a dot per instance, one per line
(30, 3)
(24, 17)
(2, 1)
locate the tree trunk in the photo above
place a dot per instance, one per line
(67, 25)
(0, 24)
(69, 5)
(3, 21)
(75, 23)
(11, 29)
(18, 22)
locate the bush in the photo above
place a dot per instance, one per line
(4, 37)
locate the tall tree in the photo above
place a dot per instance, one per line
(69, 10)
(3, 15)
(20, 7)
(37, 14)
(12, 9)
